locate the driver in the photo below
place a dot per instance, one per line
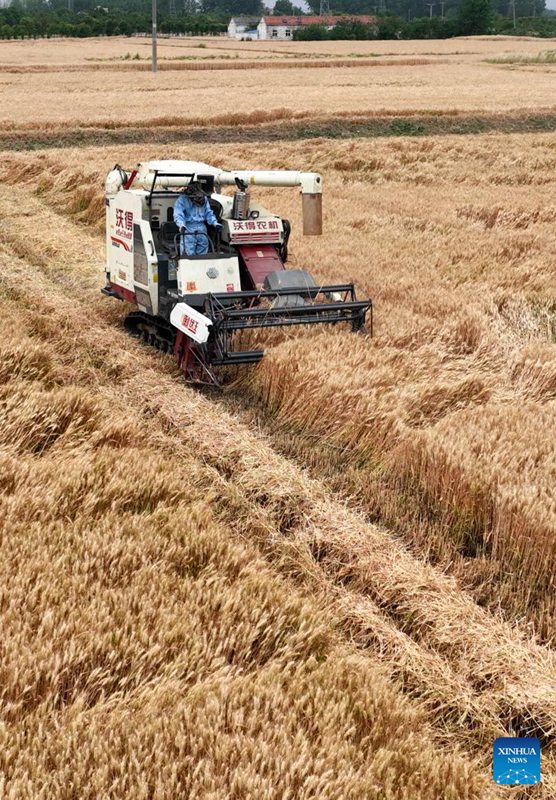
(192, 214)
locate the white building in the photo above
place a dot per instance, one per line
(241, 27)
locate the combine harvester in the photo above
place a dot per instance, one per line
(196, 306)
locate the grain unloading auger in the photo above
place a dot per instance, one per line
(198, 306)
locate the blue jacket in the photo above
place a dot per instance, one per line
(190, 215)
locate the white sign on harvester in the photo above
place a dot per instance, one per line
(191, 322)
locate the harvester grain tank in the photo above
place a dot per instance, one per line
(197, 307)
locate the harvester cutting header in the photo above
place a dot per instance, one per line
(203, 266)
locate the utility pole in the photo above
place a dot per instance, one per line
(511, 10)
(324, 10)
(154, 64)
(70, 5)
(431, 6)
(442, 4)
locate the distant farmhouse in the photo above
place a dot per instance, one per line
(283, 27)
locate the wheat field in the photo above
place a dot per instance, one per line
(334, 579)
(67, 85)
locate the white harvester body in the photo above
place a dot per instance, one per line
(195, 305)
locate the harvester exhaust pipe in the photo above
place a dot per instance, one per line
(240, 207)
(309, 182)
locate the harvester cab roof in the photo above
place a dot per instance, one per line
(197, 306)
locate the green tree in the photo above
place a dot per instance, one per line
(389, 27)
(29, 25)
(13, 13)
(352, 29)
(474, 17)
(233, 8)
(283, 7)
(310, 33)
(523, 8)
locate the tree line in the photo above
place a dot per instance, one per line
(18, 22)
(401, 19)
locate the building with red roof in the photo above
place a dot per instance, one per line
(282, 27)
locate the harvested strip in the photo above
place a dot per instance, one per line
(389, 125)
(127, 66)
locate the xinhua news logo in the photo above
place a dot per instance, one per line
(516, 761)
